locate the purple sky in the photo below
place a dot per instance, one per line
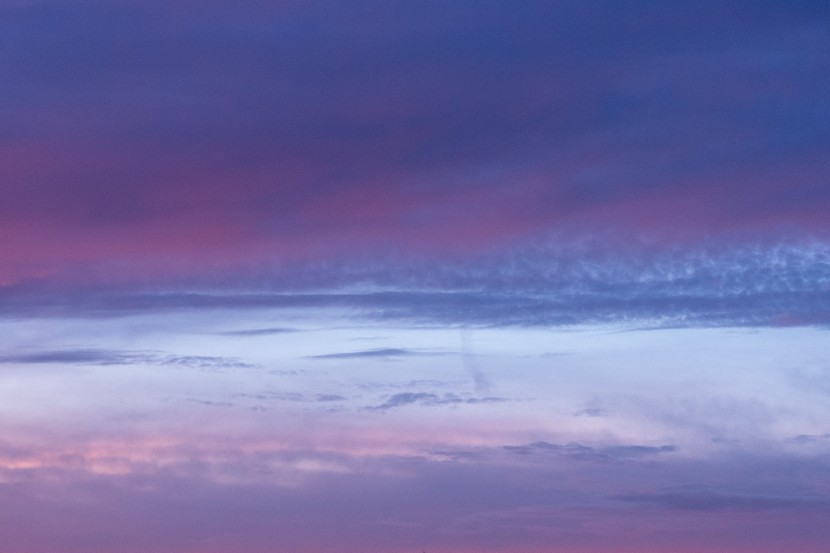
(393, 277)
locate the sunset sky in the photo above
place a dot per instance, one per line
(458, 276)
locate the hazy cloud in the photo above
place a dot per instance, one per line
(577, 450)
(591, 412)
(710, 501)
(811, 438)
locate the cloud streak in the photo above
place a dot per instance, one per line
(586, 452)
(431, 399)
(115, 357)
(256, 332)
(383, 353)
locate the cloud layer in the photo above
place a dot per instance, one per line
(383, 276)
(177, 138)
(741, 285)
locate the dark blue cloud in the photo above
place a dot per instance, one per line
(759, 285)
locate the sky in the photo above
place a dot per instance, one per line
(414, 277)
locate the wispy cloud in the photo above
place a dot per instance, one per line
(291, 396)
(122, 357)
(368, 353)
(431, 399)
(576, 450)
(377, 353)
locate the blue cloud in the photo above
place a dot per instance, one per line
(750, 285)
